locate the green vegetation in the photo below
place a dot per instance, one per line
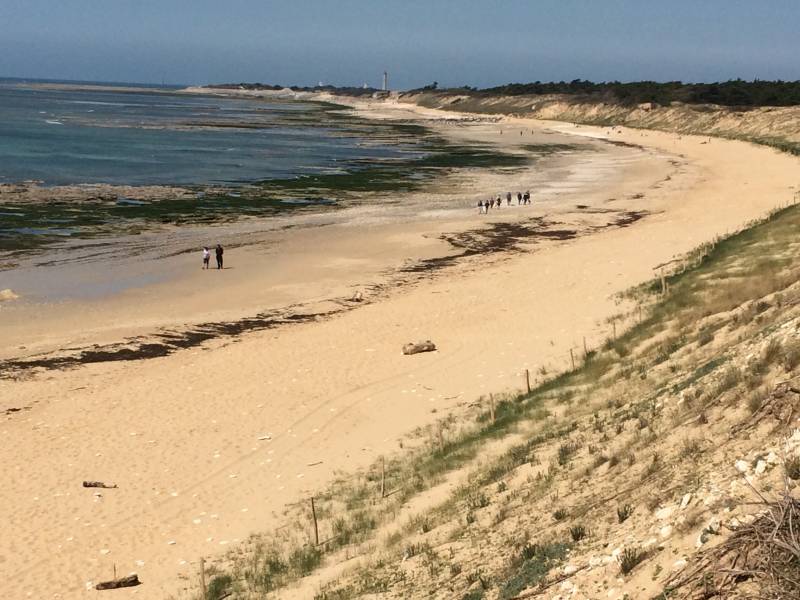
(735, 92)
(532, 566)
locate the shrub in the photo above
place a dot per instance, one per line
(630, 558)
(705, 336)
(623, 512)
(304, 560)
(218, 587)
(578, 532)
(560, 514)
(691, 448)
(755, 401)
(792, 467)
(772, 352)
(791, 356)
(565, 452)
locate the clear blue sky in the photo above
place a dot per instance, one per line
(349, 42)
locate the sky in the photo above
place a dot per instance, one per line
(350, 42)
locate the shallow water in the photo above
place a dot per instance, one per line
(68, 137)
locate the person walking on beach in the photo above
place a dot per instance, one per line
(508, 198)
(480, 207)
(519, 198)
(206, 257)
(527, 197)
(499, 201)
(218, 251)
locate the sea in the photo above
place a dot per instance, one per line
(142, 136)
(237, 157)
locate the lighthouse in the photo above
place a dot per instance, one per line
(385, 87)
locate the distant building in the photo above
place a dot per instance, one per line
(385, 87)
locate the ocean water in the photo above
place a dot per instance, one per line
(238, 157)
(69, 137)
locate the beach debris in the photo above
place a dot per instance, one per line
(7, 294)
(99, 484)
(314, 464)
(415, 348)
(122, 582)
(265, 437)
(357, 297)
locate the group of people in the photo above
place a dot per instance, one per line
(218, 251)
(483, 207)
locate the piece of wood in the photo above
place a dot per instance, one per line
(572, 358)
(99, 484)
(123, 582)
(585, 349)
(417, 347)
(528, 380)
(383, 478)
(314, 516)
(203, 578)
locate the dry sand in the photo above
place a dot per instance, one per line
(209, 443)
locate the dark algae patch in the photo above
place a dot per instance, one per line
(165, 343)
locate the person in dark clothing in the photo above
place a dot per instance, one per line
(218, 251)
(519, 198)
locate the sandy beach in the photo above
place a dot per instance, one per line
(208, 442)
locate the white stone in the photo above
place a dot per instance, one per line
(687, 498)
(773, 459)
(713, 525)
(570, 569)
(664, 513)
(650, 543)
(742, 466)
(596, 561)
(665, 531)
(761, 466)
(679, 564)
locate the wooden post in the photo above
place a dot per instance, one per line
(203, 578)
(115, 570)
(572, 358)
(314, 516)
(663, 284)
(383, 477)
(528, 380)
(491, 406)
(585, 351)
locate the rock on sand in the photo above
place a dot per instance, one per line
(7, 294)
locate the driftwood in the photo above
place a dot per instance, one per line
(415, 348)
(123, 582)
(99, 484)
